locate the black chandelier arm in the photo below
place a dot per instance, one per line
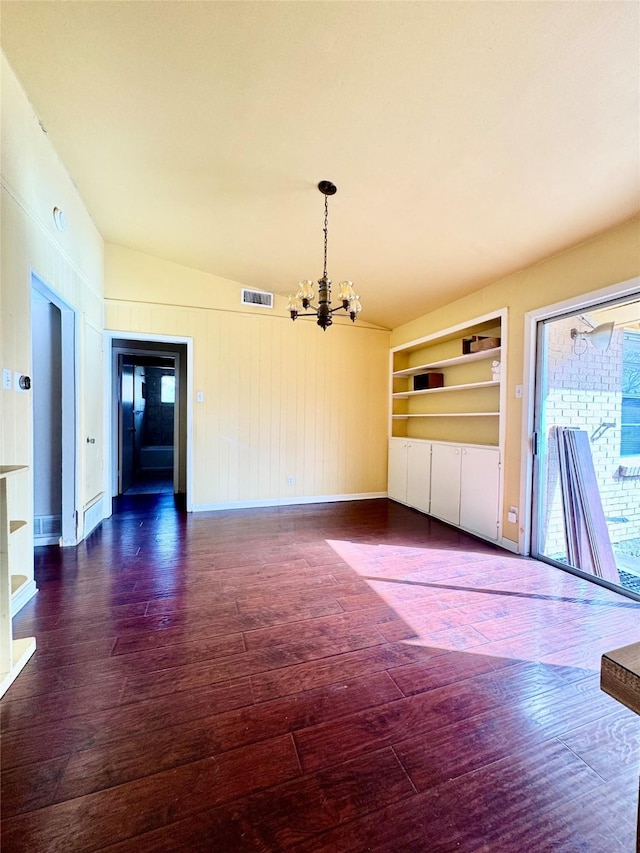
(314, 311)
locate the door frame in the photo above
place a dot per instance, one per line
(531, 320)
(111, 409)
(70, 409)
(119, 365)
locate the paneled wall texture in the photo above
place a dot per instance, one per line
(282, 401)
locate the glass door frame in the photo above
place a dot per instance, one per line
(537, 351)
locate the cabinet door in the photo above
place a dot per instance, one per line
(445, 482)
(419, 475)
(479, 491)
(397, 479)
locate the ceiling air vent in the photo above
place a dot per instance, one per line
(257, 297)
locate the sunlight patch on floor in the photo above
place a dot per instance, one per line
(481, 602)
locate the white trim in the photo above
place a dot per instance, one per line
(531, 319)
(273, 502)
(509, 545)
(586, 300)
(109, 336)
(451, 330)
(93, 515)
(22, 596)
(71, 458)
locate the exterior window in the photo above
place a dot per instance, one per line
(630, 436)
(168, 389)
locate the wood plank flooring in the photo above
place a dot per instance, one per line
(339, 678)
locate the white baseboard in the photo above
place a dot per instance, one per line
(272, 502)
(509, 545)
(24, 594)
(39, 541)
(93, 516)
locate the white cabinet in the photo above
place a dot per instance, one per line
(446, 460)
(13, 653)
(410, 472)
(480, 491)
(459, 484)
(419, 474)
(397, 479)
(465, 487)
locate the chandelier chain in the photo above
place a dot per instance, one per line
(326, 227)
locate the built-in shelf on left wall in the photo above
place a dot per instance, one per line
(14, 654)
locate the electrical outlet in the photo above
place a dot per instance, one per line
(6, 379)
(290, 481)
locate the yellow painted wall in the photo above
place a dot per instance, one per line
(34, 181)
(281, 399)
(605, 261)
(277, 403)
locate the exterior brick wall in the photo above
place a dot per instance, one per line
(583, 390)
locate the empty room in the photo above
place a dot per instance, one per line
(320, 427)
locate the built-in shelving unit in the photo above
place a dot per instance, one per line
(467, 406)
(14, 653)
(446, 433)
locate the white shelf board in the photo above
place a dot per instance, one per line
(7, 470)
(21, 651)
(449, 415)
(17, 583)
(450, 362)
(488, 384)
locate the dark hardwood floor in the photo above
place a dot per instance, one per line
(338, 677)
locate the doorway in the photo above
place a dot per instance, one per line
(586, 507)
(147, 425)
(53, 356)
(149, 418)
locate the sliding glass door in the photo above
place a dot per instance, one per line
(587, 464)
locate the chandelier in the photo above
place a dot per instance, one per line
(303, 300)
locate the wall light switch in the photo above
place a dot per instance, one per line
(518, 391)
(200, 396)
(6, 379)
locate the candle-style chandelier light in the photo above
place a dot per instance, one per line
(350, 302)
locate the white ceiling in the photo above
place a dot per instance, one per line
(467, 139)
